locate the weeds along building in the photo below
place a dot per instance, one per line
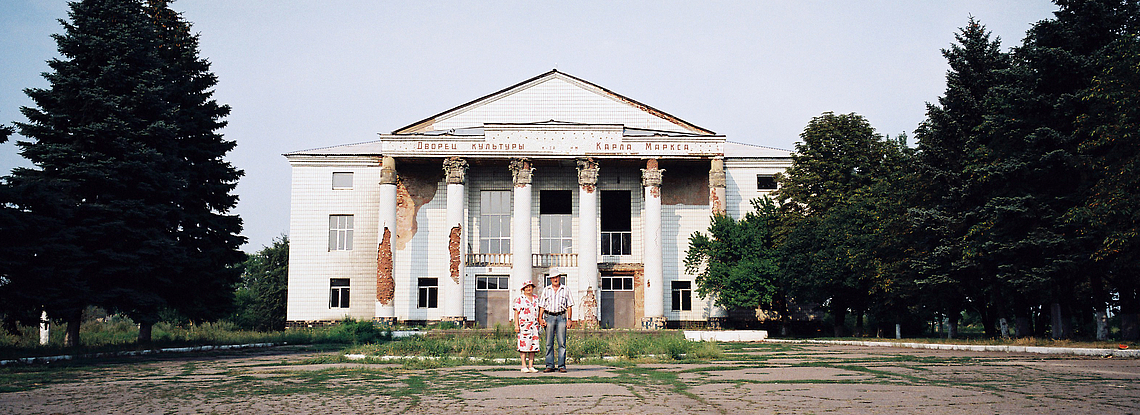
(443, 219)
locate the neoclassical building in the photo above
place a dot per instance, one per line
(443, 219)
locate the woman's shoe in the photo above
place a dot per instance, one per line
(524, 370)
(532, 370)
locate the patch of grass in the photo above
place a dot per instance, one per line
(1019, 341)
(580, 346)
(117, 333)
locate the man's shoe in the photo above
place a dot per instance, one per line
(548, 370)
(562, 370)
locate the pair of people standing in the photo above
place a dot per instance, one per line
(553, 309)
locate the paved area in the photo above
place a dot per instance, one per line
(751, 378)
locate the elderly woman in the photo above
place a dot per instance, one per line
(526, 325)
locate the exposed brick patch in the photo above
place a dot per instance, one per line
(385, 281)
(716, 203)
(453, 244)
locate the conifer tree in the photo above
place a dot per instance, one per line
(127, 201)
(952, 148)
(206, 232)
(1036, 172)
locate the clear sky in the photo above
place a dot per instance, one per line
(308, 74)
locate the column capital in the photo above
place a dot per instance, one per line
(588, 174)
(521, 171)
(455, 169)
(388, 171)
(717, 176)
(651, 175)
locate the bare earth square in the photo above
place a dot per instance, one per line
(761, 378)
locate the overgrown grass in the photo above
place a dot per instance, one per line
(580, 345)
(117, 333)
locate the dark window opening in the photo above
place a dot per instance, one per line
(617, 283)
(338, 292)
(429, 293)
(555, 202)
(617, 223)
(682, 296)
(765, 182)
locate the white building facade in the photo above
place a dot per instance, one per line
(444, 219)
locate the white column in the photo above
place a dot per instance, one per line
(385, 261)
(718, 181)
(520, 226)
(451, 289)
(652, 254)
(587, 237)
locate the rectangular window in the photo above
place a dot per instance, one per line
(492, 283)
(617, 223)
(682, 296)
(342, 181)
(495, 222)
(555, 222)
(429, 293)
(765, 182)
(340, 232)
(617, 283)
(338, 292)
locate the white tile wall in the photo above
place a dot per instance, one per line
(741, 188)
(311, 265)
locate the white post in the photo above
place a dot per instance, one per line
(652, 254)
(385, 261)
(451, 289)
(587, 235)
(45, 330)
(520, 226)
(898, 331)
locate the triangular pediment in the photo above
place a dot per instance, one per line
(553, 97)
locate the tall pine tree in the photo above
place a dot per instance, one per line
(952, 149)
(129, 196)
(1036, 171)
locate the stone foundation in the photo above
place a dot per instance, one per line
(652, 323)
(717, 323)
(460, 320)
(386, 321)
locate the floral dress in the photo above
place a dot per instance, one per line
(528, 323)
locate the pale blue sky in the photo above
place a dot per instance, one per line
(306, 74)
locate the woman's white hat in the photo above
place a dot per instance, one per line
(524, 284)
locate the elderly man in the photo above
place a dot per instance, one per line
(555, 312)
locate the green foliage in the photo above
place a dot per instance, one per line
(130, 191)
(840, 209)
(953, 193)
(736, 262)
(1023, 170)
(357, 332)
(260, 297)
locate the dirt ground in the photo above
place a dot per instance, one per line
(752, 378)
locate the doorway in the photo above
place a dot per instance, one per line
(617, 301)
(492, 300)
